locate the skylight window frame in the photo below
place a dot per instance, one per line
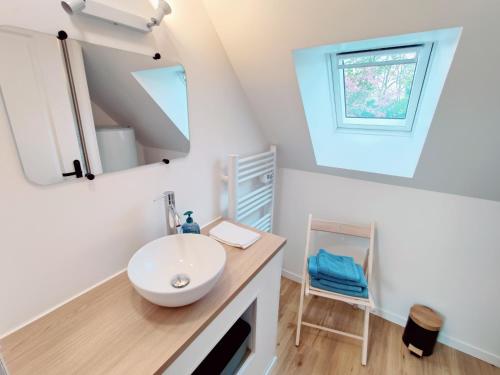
(405, 125)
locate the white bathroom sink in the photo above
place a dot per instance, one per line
(177, 270)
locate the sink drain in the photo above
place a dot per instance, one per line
(180, 281)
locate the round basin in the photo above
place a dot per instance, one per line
(176, 270)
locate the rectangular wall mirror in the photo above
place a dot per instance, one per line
(78, 109)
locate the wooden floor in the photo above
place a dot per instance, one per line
(324, 353)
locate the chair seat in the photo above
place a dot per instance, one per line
(338, 296)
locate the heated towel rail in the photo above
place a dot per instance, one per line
(251, 185)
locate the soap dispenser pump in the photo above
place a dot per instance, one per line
(190, 226)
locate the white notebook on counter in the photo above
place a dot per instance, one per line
(233, 235)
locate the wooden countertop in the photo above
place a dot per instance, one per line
(113, 330)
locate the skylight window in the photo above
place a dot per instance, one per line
(379, 89)
(369, 103)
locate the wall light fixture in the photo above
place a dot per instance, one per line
(116, 16)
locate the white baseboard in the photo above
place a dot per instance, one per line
(390, 316)
(271, 366)
(291, 276)
(472, 350)
(398, 319)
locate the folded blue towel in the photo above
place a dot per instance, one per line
(328, 272)
(314, 272)
(340, 286)
(337, 266)
(320, 284)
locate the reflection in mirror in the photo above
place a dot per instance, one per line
(131, 109)
(139, 106)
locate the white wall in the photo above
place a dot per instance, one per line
(461, 154)
(438, 249)
(58, 240)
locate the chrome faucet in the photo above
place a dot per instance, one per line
(172, 217)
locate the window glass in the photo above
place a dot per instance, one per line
(379, 91)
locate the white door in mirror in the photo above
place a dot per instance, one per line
(177, 270)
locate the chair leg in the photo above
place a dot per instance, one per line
(364, 353)
(299, 315)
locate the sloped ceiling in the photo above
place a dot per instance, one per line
(115, 90)
(462, 151)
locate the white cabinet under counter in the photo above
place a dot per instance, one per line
(112, 330)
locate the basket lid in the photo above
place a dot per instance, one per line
(426, 317)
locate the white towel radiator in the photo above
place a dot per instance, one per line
(251, 185)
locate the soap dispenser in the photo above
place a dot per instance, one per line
(190, 226)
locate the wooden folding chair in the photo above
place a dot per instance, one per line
(367, 303)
